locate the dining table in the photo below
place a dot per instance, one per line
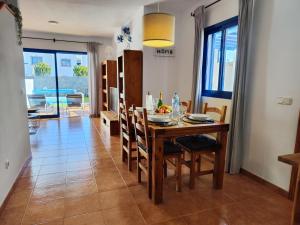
(160, 133)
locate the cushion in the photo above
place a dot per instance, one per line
(169, 148)
(198, 143)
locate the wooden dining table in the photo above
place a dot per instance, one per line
(161, 133)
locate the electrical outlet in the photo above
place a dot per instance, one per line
(285, 100)
(6, 164)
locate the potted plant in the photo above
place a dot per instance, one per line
(18, 18)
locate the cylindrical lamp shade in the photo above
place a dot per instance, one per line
(159, 30)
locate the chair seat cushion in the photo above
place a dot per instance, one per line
(169, 148)
(198, 143)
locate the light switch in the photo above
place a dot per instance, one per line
(285, 100)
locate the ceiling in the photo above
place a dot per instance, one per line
(78, 17)
(99, 18)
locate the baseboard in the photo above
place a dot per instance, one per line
(2, 207)
(262, 181)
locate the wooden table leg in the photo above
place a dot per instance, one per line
(296, 205)
(157, 169)
(219, 165)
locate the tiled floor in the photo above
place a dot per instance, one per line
(76, 177)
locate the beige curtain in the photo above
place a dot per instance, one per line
(236, 135)
(94, 78)
(199, 16)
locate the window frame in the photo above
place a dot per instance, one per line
(222, 26)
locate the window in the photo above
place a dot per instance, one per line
(219, 59)
(36, 59)
(65, 62)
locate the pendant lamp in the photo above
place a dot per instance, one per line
(159, 30)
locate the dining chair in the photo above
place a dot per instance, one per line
(127, 136)
(188, 105)
(172, 152)
(202, 146)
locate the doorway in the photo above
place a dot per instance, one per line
(56, 82)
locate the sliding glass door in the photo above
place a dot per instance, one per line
(56, 82)
(41, 82)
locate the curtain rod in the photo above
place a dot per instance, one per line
(55, 40)
(207, 6)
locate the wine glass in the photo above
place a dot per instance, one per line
(181, 113)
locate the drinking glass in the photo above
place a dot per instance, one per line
(155, 102)
(181, 113)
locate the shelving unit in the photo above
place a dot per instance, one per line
(109, 79)
(130, 77)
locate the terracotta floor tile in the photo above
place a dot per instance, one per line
(77, 166)
(44, 212)
(12, 216)
(102, 163)
(116, 198)
(31, 171)
(81, 188)
(47, 194)
(81, 205)
(18, 199)
(95, 218)
(110, 182)
(123, 216)
(77, 177)
(49, 169)
(55, 222)
(178, 221)
(25, 183)
(49, 180)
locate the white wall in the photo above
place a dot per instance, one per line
(14, 138)
(136, 28)
(274, 63)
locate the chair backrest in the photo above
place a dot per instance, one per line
(141, 128)
(188, 105)
(74, 100)
(220, 111)
(36, 100)
(124, 118)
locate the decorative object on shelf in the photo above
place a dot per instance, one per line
(18, 18)
(125, 36)
(164, 52)
(159, 29)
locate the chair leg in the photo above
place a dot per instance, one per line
(192, 171)
(129, 157)
(149, 176)
(165, 169)
(122, 150)
(178, 174)
(199, 163)
(138, 166)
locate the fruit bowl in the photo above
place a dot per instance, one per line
(164, 109)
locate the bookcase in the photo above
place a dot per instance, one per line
(109, 79)
(130, 77)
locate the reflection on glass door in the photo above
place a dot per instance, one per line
(72, 73)
(41, 82)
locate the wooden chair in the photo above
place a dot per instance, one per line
(200, 146)
(144, 151)
(127, 136)
(188, 105)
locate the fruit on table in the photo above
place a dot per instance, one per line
(164, 109)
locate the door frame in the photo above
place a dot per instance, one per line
(54, 52)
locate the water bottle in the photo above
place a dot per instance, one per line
(175, 105)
